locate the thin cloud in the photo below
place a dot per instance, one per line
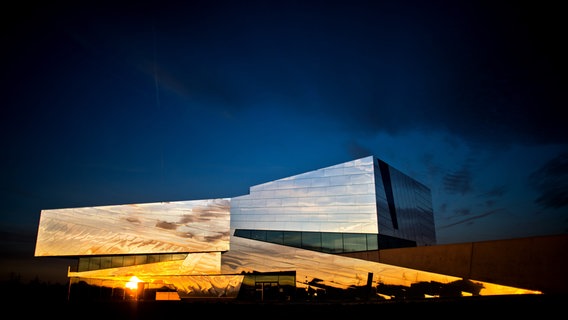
(458, 182)
(496, 192)
(356, 150)
(492, 196)
(551, 181)
(471, 219)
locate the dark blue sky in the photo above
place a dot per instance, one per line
(159, 101)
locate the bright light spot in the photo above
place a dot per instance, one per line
(133, 283)
(387, 297)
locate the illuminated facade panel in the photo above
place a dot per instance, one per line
(339, 198)
(183, 226)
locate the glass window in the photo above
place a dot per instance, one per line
(83, 264)
(116, 261)
(242, 233)
(94, 263)
(128, 261)
(106, 262)
(166, 257)
(153, 258)
(354, 242)
(311, 240)
(275, 237)
(258, 235)
(267, 278)
(293, 239)
(287, 280)
(372, 242)
(141, 259)
(332, 242)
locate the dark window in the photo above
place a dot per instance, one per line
(385, 174)
(311, 240)
(332, 242)
(353, 242)
(293, 239)
(258, 235)
(275, 237)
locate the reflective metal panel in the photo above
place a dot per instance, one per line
(184, 226)
(410, 215)
(339, 198)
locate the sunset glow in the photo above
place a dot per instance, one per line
(133, 283)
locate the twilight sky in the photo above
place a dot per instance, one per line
(156, 101)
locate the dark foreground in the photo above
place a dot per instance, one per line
(486, 306)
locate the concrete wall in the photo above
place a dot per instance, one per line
(536, 263)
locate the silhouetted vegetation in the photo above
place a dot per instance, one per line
(15, 289)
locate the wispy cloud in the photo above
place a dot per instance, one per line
(458, 181)
(471, 219)
(551, 182)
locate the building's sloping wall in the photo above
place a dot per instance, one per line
(335, 271)
(182, 226)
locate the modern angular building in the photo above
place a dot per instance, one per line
(315, 234)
